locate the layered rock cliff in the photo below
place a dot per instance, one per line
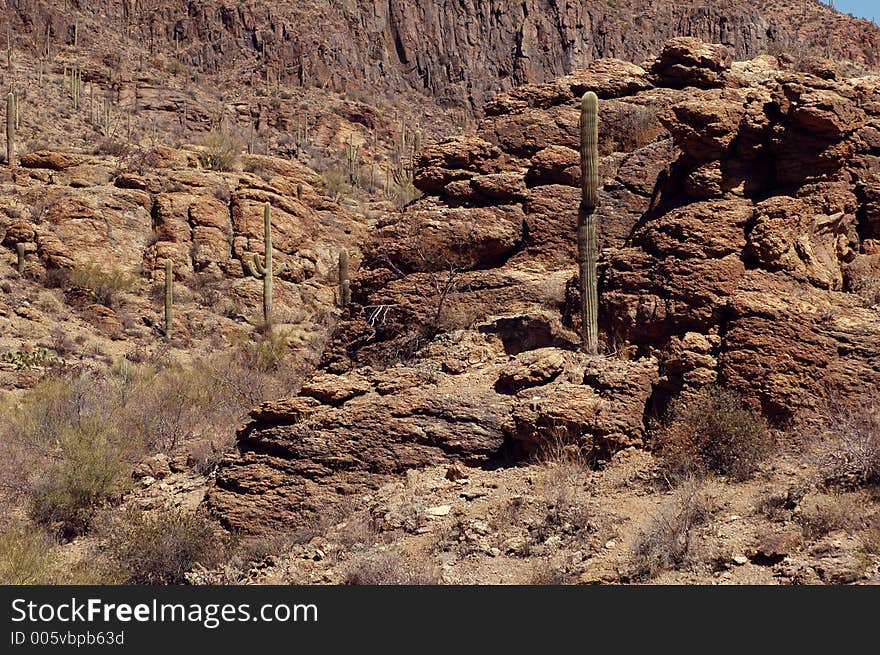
(456, 51)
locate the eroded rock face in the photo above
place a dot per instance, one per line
(460, 52)
(300, 458)
(687, 61)
(722, 262)
(751, 243)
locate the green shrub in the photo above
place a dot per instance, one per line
(160, 548)
(713, 431)
(88, 471)
(107, 285)
(222, 151)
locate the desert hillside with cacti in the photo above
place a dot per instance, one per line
(332, 294)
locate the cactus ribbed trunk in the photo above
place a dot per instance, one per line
(169, 297)
(587, 246)
(267, 272)
(19, 251)
(10, 128)
(344, 284)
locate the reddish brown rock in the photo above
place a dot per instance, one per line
(51, 159)
(686, 61)
(432, 238)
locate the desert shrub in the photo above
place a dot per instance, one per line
(563, 481)
(160, 548)
(24, 557)
(552, 571)
(335, 180)
(852, 456)
(870, 538)
(107, 285)
(713, 431)
(667, 543)
(113, 147)
(359, 528)
(222, 151)
(403, 192)
(162, 407)
(824, 514)
(136, 159)
(87, 471)
(266, 351)
(388, 567)
(636, 128)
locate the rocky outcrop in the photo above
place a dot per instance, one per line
(721, 263)
(124, 224)
(747, 251)
(301, 458)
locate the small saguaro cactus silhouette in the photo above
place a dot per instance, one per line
(10, 128)
(265, 270)
(344, 284)
(19, 252)
(586, 230)
(169, 297)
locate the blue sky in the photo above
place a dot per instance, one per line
(863, 8)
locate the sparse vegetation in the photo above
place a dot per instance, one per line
(712, 431)
(25, 557)
(852, 454)
(826, 513)
(668, 541)
(388, 567)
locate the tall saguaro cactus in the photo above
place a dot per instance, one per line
(586, 231)
(169, 297)
(265, 270)
(10, 128)
(344, 283)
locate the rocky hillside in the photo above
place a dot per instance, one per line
(447, 416)
(459, 52)
(740, 239)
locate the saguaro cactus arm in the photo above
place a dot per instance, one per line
(587, 246)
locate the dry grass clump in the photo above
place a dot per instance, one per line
(160, 548)
(823, 514)
(563, 485)
(389, 567)
(713, 431)
(25, 557)
(668, 541)
(852, 451)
